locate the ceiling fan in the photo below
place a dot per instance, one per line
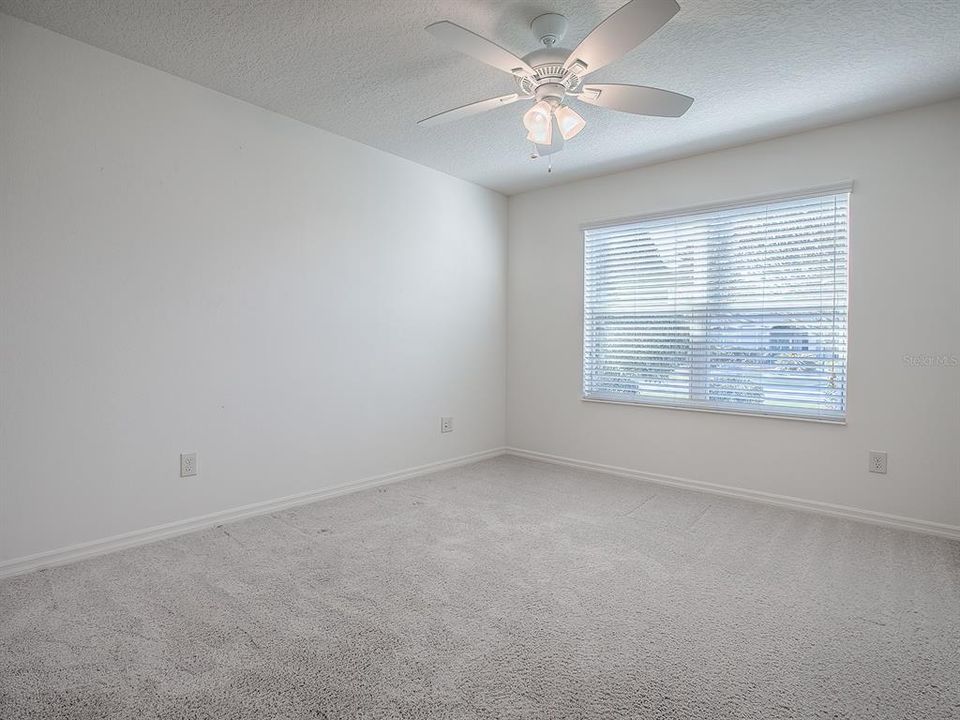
(551, 74)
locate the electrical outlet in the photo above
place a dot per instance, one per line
(188, 465)
(878, 462)
(446, 424)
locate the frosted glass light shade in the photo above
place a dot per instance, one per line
(569, 121)
(538, 122)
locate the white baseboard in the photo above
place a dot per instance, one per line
(81, 551)
(73, 553)
(851, 513)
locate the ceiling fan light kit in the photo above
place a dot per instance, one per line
(569, 121)
(551, 74)
(539, 122)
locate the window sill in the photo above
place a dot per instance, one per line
(717, 411)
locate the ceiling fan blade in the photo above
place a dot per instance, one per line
(468, 110)
(636, 99)
(469, 43)
(621, 32)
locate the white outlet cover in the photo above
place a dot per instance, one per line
(878, 462)
(188, 464)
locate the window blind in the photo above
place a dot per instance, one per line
(740, 308)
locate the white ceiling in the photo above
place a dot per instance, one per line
(366, 69)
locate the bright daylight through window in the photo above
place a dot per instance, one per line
(738, 308)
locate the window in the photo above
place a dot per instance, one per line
(739, 308)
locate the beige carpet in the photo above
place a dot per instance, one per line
(506, 589)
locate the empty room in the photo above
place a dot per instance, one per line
(385, 359)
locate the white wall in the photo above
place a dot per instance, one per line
(905, 300)
(183, 271)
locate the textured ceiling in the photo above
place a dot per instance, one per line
(366, 69)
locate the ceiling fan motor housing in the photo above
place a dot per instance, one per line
(547, 64)
(550, 80)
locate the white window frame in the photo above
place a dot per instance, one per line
(836, 188)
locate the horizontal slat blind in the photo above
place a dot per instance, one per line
(740, 308)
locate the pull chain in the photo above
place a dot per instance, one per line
(535, 155)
